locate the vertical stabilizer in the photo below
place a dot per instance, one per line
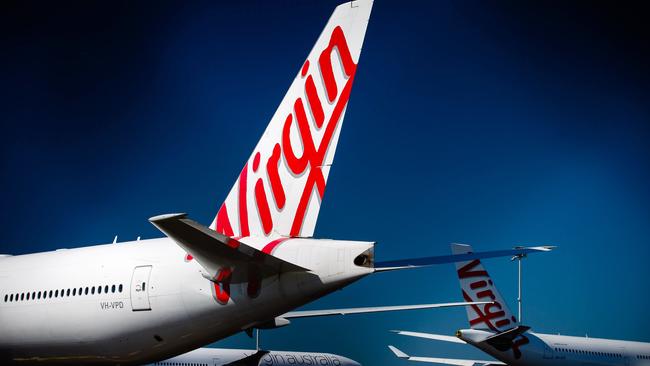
(280, 189)
(476, 285)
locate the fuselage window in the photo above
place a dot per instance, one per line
(92, 290)
(120, 288)
(106, 289)
(22, 296)
(81, 290)
(99, 289)
(6, 297)
(28, 296)
(113, 289)
(11, 298)
(74, 292)
(67, 292)
(86, 292)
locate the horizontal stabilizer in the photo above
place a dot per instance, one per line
(503, 341)
(437, 337)
(376, 309)
(443, 361)
(215, 251)
(452, 258)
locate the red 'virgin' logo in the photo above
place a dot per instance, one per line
(312, 157)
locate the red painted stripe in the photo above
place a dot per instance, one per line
(243, 208)
(268, 248)
(256, 161)
(305, 68)
(223, 222)
(325, 61)
(314, 102)
(316, 175)
(274, 177)
(263, 206)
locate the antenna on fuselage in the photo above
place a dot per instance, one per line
(257, 339)
(115, 240)
(518, 257)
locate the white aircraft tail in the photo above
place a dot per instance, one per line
(280, 188)
(476, 285)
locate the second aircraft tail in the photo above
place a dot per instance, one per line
(476, 285)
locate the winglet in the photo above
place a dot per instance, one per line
(398, 353)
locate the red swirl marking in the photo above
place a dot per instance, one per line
(297, 164)
(314, 101)
(481, 317)
(315, 177)
(305, 68)
(256, 161)
(274, 176)
(263, 207)
(325, 62)
(223, 222)
(467, 272)
(268, 248)
(243, 208)
(222, 286)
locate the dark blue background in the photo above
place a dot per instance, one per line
(491, 123)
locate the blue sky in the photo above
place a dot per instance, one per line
(490, 123)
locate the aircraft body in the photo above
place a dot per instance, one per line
(495, 330)
(242, 357)
(148, 300)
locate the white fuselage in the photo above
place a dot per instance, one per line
(165, 307)
(536, 349)
(222, 357)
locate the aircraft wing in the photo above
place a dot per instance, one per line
(453, 258)
(376, 309)
(214, 251)
(437, 337)
(444, 361)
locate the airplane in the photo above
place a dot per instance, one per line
(243, 357)
(147, 300)
(496, 331)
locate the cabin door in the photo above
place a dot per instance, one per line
(140, 288)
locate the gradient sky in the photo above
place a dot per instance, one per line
(490, 123)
